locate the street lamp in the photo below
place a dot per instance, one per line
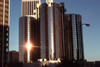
(86, 24)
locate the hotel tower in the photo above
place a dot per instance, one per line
(50, 30)
(29, 31)
(4, 31)
(74, 38)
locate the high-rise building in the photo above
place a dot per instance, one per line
(74, 39)
(50, 31)
(29, 33)
(29, 7)
(4, 31)
(29, 30)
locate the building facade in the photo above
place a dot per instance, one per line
(74, 39)
(4, 31)
(63, 42)
(29, 32)
(29, 7)
(50, 31)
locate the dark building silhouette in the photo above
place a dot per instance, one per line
(89, 64)
(97, 63)
(4, 31)
(13, 57)
(29, 31)
(74, 38)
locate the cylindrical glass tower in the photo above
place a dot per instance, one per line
(74, 37)
(50, 30)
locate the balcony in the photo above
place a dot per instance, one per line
(6, 16)
(1, 20)
(1, 23)
(6, 24)
(1, 9)
(6, 21)
(6, 6)
(7, 1)
(1, 14)
(6, 46)
(6, 11)
(1, 4)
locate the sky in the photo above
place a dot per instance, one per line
(88, 9)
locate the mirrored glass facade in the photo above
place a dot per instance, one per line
(29, 32)
(74, 37)
(50, 30)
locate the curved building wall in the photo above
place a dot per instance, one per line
(28, 33)
(50, 31)
(42, 30)
(80, 39)
(74, 37)
(74, 32)
(21, 38)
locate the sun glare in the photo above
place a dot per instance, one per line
(28, 46)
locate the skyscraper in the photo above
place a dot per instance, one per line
(50, 31)
(29, 7)
(4, 31)
(29, 33)
(74, 39)
(29, 30)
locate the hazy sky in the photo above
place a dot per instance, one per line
(90, 11)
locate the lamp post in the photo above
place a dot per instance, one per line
(86, 24)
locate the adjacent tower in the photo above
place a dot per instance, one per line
(29, 34)
(74, 39)
(4, 31)
(29, 31)
(29, 7)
